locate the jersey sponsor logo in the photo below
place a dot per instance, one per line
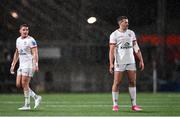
(21, 52)
(126, 46)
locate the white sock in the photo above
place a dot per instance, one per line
(27, 98)
(32, 94)
(132, 92)
(115, 98)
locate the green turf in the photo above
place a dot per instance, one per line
(82, 104)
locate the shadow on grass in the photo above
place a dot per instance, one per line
(32, 110)
(143, 112)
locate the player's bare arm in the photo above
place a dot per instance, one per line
(35, 58)
(15, 59)
(111, 57)
(139, 55)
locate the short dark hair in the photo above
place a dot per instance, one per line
(23, 25)
(120, 18)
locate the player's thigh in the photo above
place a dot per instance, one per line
(26, 75)
(18, 81)
(131, 75)
(25, 80)
(27, 72)
(118, 76)
(131, 67)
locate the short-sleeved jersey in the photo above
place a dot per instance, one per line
(24, 47)
(124, 46)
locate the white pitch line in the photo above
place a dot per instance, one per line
(94, 104)
(80, 103)
(81, 106)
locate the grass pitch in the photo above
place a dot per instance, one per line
(92, 104)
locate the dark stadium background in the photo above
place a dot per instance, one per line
(74, 54)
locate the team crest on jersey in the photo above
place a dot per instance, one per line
(129, 35)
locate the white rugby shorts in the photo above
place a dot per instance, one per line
(124, 67)
(25, 72)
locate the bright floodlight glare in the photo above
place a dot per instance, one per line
(91, 20)
(14, 14)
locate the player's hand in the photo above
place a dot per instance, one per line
(141, 65)
(12, 70)
(111, 68)
(36, 69)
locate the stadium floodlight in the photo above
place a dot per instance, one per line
(91, 20)
(14, 14)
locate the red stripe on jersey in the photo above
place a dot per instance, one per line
(34, 47)
(112, 43)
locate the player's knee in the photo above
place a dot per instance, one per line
(18, 85)
(23, 84)
(132, 83)
(117, 84)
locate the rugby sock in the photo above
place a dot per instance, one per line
(27, 98)
(32, 94)
(115, 98)
(132, 92)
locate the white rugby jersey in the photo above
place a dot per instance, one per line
(24, 46)
(124, 46)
